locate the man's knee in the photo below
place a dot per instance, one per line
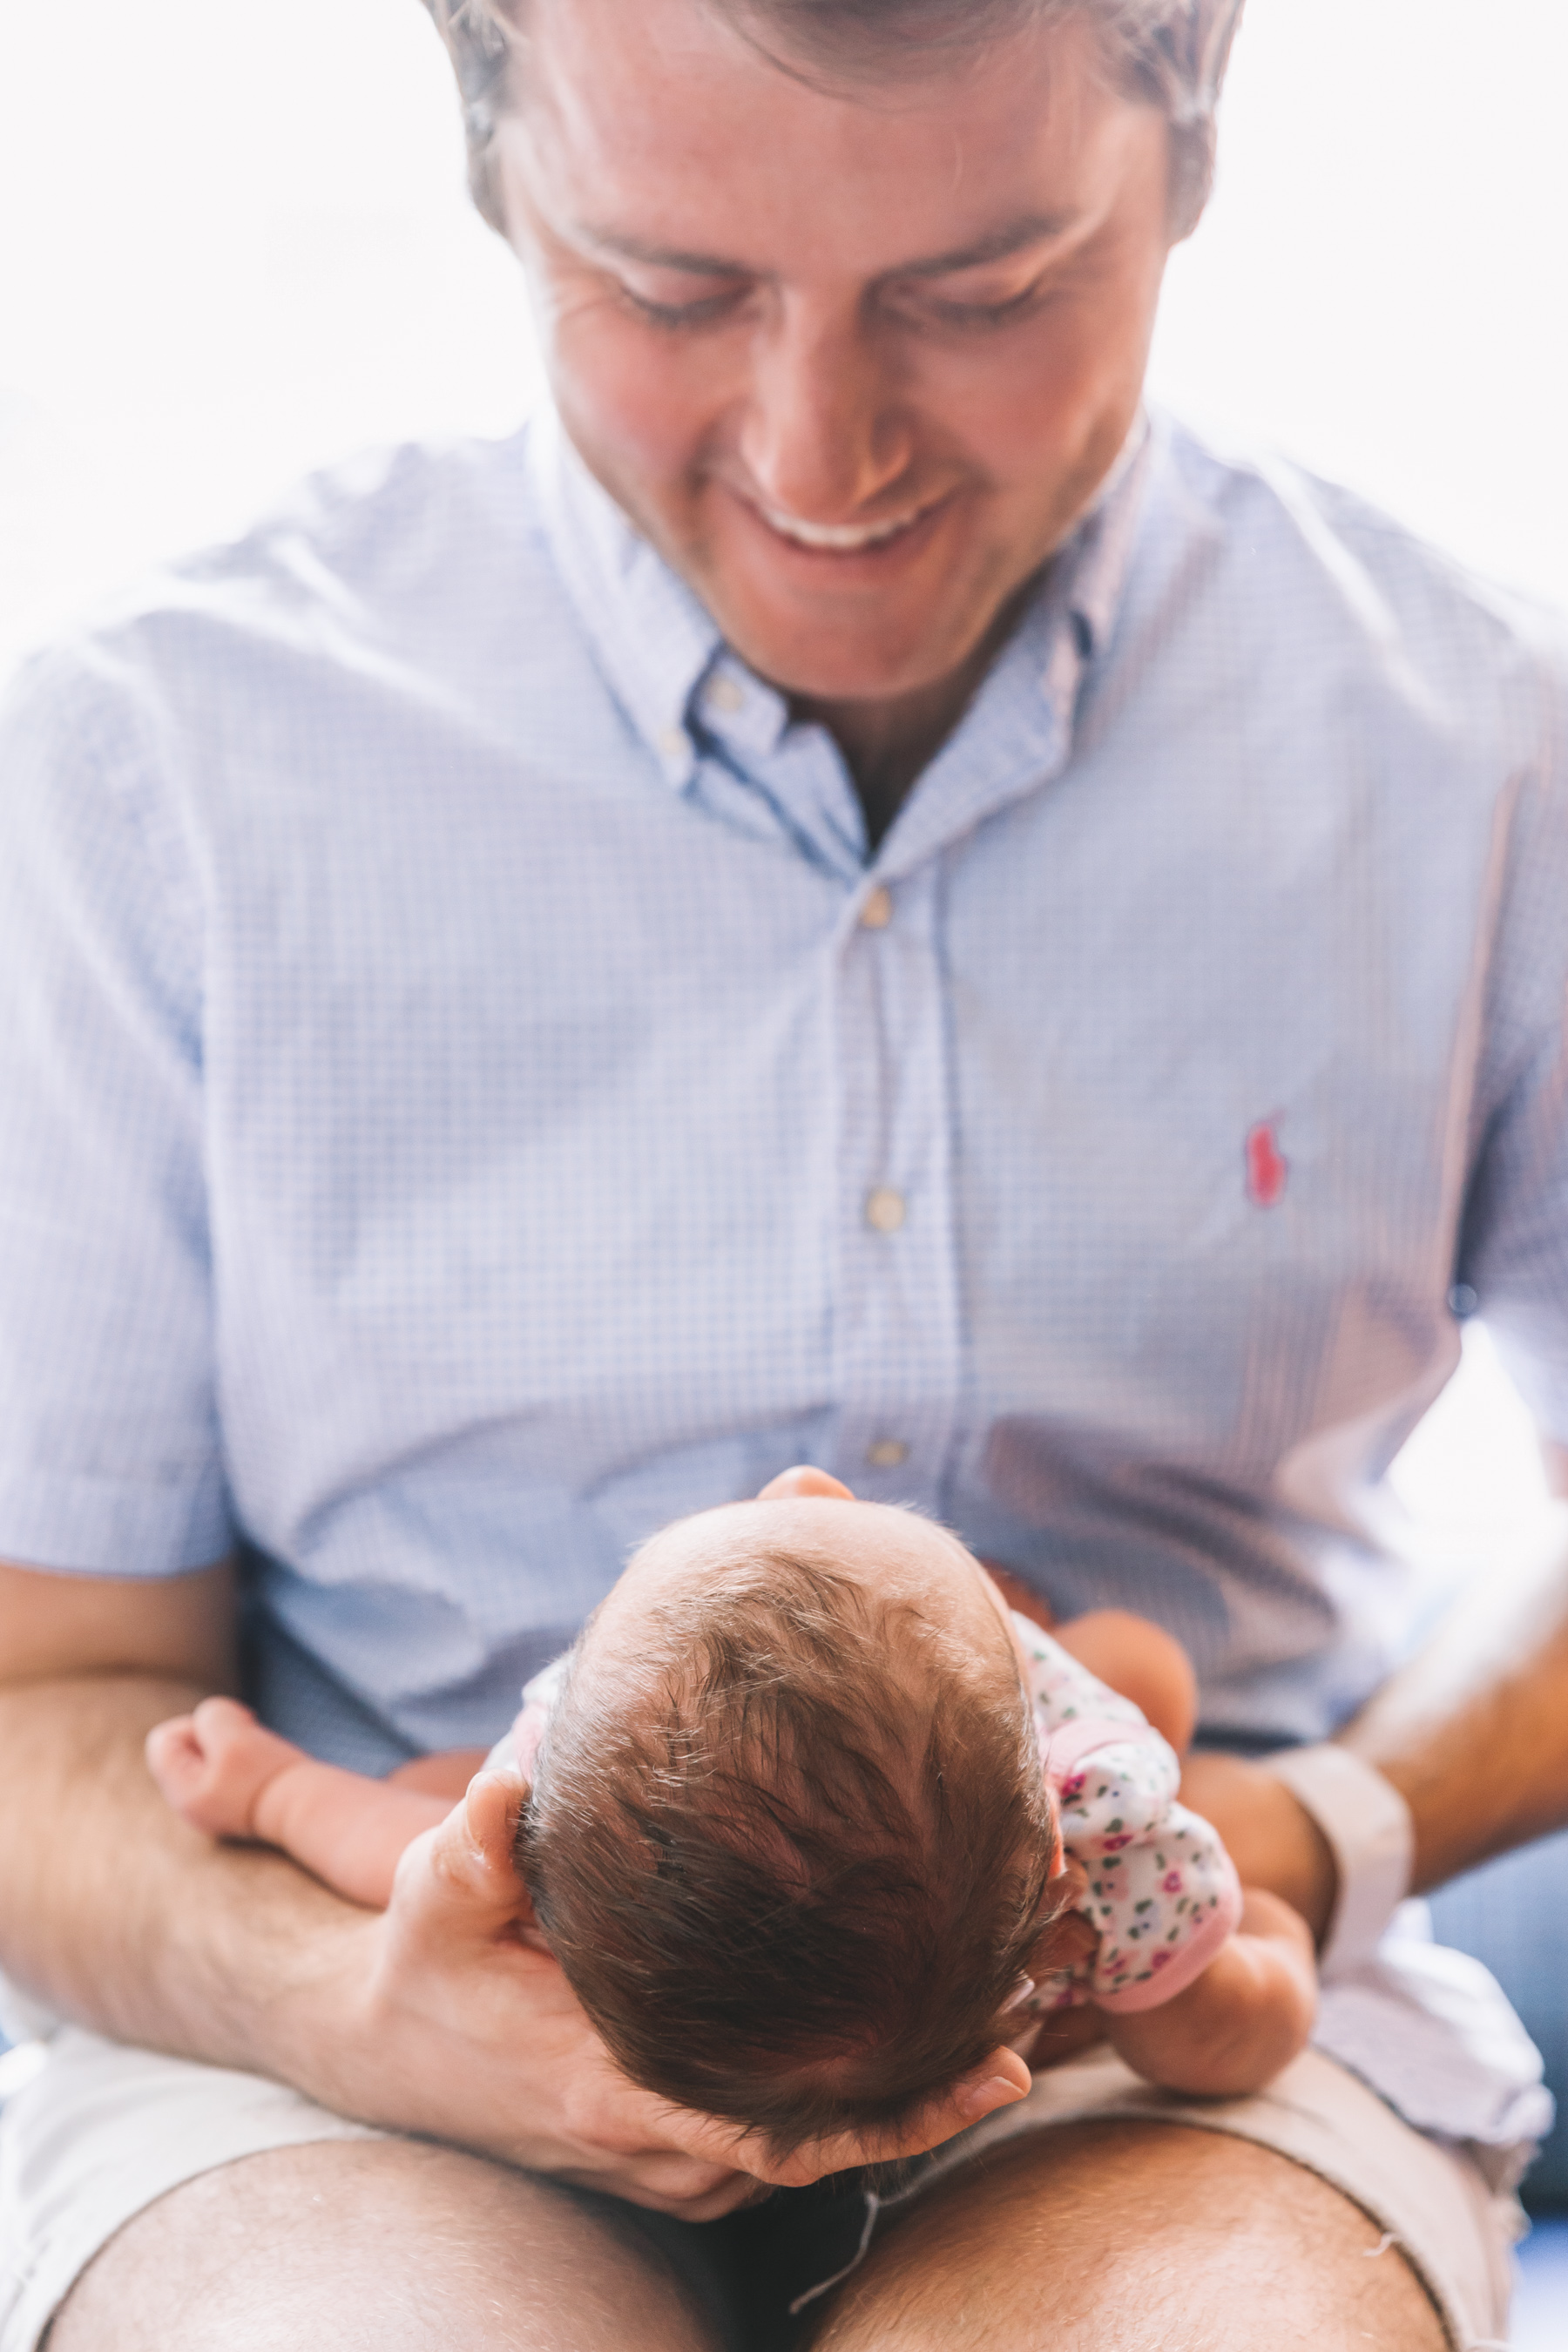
(385, 2245)
(1131, 2238)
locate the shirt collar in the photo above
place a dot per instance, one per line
(669, 667)
(654, 639)
(1101, 550)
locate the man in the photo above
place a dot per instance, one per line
(857, 904)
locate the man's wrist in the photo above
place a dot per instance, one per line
(1271, 1837)
(1368, 1828)
(280, 1986)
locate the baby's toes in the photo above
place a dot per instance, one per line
(222, 1724)
(241, 1756)
(206, 1765)
(181, 1767)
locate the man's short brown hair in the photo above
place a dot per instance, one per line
(1173, 52)
(794, 1857)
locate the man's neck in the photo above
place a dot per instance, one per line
(887, 743)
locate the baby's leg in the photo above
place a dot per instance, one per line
(1142, 1661)
(213, 1766)
(231, 1777)
(446, 1775)
(1232, 2029)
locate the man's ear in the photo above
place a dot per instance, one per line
(804, 1479)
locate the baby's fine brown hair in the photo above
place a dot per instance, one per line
(793, 1858)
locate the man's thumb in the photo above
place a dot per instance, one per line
(489, 1810)
(468, 1873)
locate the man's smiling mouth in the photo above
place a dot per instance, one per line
(843, 538)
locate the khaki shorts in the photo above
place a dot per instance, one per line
(102, 2131)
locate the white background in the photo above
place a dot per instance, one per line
(234, 243)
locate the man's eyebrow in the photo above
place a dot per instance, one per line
(660, 257)
(1033, 228)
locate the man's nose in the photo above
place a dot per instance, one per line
(825, 430)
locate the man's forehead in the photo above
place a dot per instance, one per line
(655, 124)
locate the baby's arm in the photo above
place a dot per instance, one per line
(231, 1777)
(1235, 2026)
(1204, 1986)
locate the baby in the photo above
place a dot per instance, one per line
(813, 1822)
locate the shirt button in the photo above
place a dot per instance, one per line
(886, 1454)
(878, 911)
(672, 741)
(724, 694)
(885, 1209)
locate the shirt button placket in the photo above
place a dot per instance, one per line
(897, 1326)
(885, 1209)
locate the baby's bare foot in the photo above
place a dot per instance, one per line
(213, 1766)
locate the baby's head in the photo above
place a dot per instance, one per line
(788, 1834)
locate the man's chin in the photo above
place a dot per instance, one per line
(821, 692)
(829, 662)
(858, 646)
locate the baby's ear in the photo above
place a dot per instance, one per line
(1066, 1936)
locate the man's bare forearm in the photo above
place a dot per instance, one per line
(435, 2017)
(1474, 1731)
(120, 1917)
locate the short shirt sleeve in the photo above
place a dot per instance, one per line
(1513, 1254)
(110, 1460)
(1161, 1893)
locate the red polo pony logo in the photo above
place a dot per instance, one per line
(1268, 1169)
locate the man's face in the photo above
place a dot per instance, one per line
(854, 361)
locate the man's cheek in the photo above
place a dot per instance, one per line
(1079, 360)
(625, 410)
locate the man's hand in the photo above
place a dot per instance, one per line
(437, 2017)
(444, 2016)
(1273, 1841)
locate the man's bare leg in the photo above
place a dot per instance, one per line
(376, 2246)
(1132, 2237)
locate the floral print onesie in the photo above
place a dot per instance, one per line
(1161, 1892)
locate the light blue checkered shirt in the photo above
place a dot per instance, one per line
(466, 1096)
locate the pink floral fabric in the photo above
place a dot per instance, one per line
(1162, 1893)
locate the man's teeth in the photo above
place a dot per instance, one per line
(844, 537)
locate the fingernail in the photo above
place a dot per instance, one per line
(979, 2099)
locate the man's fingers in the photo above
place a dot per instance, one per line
(1000, 2082)
(489, 1811)
(804, 1479)
(674, 2184)
(459, 1878)
(1002, 2079)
